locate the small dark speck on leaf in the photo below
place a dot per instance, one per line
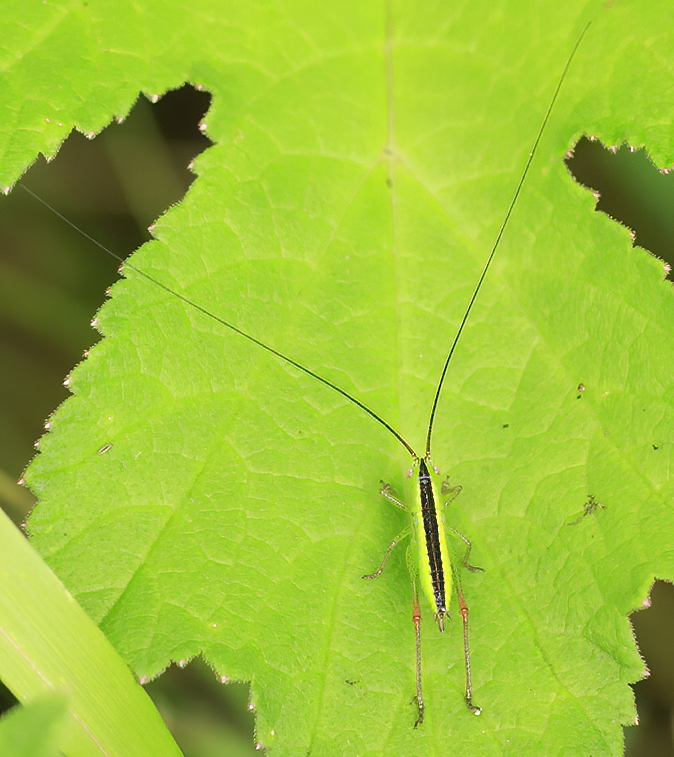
(590, 507)
(506, 425)
(655, 446)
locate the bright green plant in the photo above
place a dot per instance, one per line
(365, 155)
(32, 731)
(80, 697)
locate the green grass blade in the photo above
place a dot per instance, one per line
(48, 644)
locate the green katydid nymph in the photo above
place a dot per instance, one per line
(431, 570)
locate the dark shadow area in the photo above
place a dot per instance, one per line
(207, 718)
(52, 280)
(634, 192)
(654, 695)
(7, 699)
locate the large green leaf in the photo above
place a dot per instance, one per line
(365, 157)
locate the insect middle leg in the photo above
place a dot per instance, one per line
(452, 492)
(402, 535)
(469, 546)
(387, 492)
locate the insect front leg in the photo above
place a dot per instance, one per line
(387, 491)
(451, 492)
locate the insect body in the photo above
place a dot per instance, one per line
(432, 547)
(431, 569)
(436, 581)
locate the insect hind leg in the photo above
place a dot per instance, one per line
(416, 618)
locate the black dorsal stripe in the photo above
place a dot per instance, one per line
(430, 519)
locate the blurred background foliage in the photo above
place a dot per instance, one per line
(52, 281)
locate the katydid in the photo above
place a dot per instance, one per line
(430, 567)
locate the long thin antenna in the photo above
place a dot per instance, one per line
(498, 237)
(228, 325)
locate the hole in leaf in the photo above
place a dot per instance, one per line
(632, 190)
(654, 629)
(52, 280)
(204, 715)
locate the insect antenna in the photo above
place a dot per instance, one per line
(478, 286)
(228, 325)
